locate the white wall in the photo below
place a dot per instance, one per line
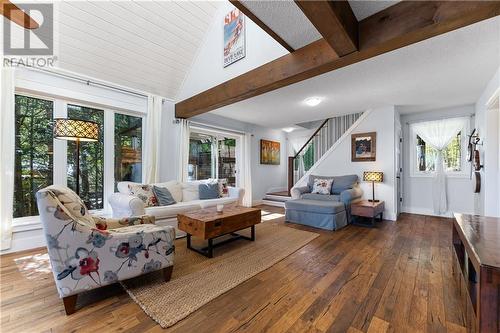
(417, 190)
(337, 161)
(207, 70)
(487, 123)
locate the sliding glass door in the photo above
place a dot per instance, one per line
(212, 155)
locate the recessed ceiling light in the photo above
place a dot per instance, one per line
(288, 129)
(312, 101)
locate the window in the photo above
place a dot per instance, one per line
(424, 156)
(212, 156)
(128, 148)
(427, 155)
(34, 152)
(91, 159)
(39, 156)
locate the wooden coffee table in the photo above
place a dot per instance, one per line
(207, 224)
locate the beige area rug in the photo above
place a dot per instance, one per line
(197, 280)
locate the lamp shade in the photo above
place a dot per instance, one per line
(75, 129)
(373, 176)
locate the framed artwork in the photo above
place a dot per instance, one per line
(363, 147)
(234, 37)
(269, 152)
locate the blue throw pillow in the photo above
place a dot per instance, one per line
(163, 196)
(209, 191)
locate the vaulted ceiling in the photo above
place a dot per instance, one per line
(145, 45)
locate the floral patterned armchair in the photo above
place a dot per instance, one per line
(88, 252)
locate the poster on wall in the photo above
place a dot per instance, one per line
(269, 152)
(234, 37)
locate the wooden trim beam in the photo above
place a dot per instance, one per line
(335, 21)
(400, 25)
(262, 25)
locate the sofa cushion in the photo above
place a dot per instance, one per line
(315, 206)
(208, 191)
(162, 212)
(190, 191)
(340, 183)
(322, 186)
(174, 187)
(219, 201)
(314, 196)
(145, 193)
(163, 196)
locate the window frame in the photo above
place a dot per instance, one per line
(221, 134)
(414, 172)
(60, 110)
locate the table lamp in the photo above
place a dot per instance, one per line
(373, 176)
(76, 130)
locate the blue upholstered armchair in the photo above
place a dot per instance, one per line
(327, 211)
(88, 252)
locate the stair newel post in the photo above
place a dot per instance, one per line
(291, 160)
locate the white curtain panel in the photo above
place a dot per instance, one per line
(439, 134)
(246, 181)
(152, 142)
(183, 150)
(7, 151)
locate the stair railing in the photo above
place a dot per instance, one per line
(293, 159)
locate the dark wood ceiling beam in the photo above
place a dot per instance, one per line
(397, 26)
(335, 21)
(261, 24)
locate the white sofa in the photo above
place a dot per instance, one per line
(185, 194)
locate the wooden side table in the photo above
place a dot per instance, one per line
(368, 209)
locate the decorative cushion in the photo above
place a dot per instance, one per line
(163, 196)
(223, 190)
(342, 183)
(209, 191)
(322, 186)
(174, 187)
(145, 193)
(190, 191)
(74, 208)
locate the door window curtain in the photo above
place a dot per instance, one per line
(439, 134)
(183, 150)
(7, 151)
(152, 142)
(246, 179)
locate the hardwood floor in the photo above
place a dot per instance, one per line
(394, 278)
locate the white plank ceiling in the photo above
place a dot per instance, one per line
(148, 46)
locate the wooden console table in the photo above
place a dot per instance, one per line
(476, 269)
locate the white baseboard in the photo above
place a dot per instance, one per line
(425, 211)
(26, 240)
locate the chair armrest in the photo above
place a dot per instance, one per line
(296, 192)
(125, 205)
(235, 192)
(349, 196)
(104, 223)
